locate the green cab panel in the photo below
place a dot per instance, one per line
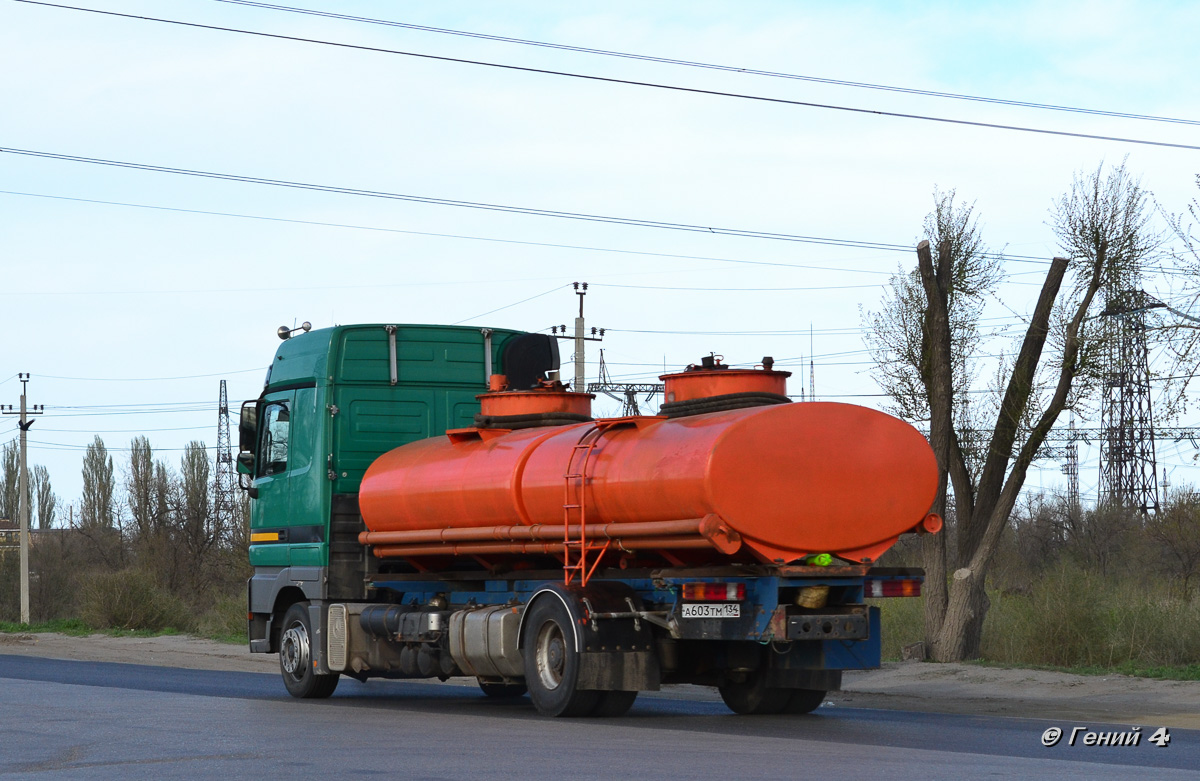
(333, 404)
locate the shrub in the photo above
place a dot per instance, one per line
(130, 599)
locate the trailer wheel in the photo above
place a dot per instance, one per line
(502, 690)
(295, 657)
(753, 697)
(804, 700)
(552, 663)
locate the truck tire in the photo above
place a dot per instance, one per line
(753, 697)
(502, 691)
(804, 700)
(614, 703)
(295, 657)
(552, 662)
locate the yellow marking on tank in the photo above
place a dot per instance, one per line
(264, 537)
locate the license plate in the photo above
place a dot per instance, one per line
(712, 610)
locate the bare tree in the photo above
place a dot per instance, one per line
(1180, 332)
(898, 335)
(1102, 222)
(97, 509)
(162, 494)
(1103, 536)
(194, 524)
(139, 486)
(45, 501)
(1177, 530)
(901, 337)
(10, 464)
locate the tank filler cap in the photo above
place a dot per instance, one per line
(710, 362)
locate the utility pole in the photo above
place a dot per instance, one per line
(580, 384)
(23, 490)
(580, 367)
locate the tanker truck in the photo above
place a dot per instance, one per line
(431, 502)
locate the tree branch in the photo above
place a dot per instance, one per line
(1016, 398)
(1041, 429)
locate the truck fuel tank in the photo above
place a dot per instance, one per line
(781, 481)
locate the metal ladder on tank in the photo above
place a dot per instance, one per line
(578, 565)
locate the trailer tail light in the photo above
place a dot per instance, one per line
(897, 587)
(714, 592)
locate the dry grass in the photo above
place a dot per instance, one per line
(1075, 619)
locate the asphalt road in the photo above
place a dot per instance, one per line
(64, 719)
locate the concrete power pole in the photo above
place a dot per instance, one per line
(23, 491)
(581, 336)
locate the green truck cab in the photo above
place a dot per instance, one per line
(334, 400)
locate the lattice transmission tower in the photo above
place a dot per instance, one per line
(225, 484)
(625, 392)
(1071, 467)
(1128, 471)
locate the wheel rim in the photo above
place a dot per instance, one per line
(551, 655)
(293, 650)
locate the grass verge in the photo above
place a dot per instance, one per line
(1188, 672)
(1073, 621)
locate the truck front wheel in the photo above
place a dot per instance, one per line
(295, 657)
(552, 662)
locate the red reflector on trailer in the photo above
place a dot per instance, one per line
(906, 587)
(714, 592)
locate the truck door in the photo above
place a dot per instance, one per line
(270, 520)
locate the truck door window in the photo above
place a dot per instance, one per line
(273, 454)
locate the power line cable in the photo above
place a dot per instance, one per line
(144, 405)
(206, 411)
(351, 226)
(39, 445)
(150, 379)
(508, 306)
(439, 235)
(121, 430)
(532, 211)
(711, 66)
(735, 289)
(627, 82)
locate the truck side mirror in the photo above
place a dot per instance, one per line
(245, 463)
(248, 429)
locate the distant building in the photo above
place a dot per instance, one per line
(10, 534)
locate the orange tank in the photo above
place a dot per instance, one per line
(771, 483)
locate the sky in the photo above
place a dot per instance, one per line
(129, 294)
